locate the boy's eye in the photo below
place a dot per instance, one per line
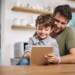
(40, 28)
(46, 29)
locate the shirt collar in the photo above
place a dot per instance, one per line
(45, 41)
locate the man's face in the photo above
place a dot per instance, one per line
(43, 31)
(60, 23)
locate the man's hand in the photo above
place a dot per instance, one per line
(51, 58)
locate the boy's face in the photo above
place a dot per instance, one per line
(43, 31)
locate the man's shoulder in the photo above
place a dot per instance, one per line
(68, 28)
(33, 37)
(65, 33)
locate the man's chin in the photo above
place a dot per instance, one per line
(56, 32)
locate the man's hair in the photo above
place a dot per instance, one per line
(46, 20)
(64, 10)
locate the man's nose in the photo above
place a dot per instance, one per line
(58, 24)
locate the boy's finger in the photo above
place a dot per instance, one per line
(50, 55)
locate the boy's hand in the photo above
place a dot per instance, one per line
(51, 58)
(26, 55)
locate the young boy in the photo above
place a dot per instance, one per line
(44, 26)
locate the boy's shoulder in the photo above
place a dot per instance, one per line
(52, 39)
(49, 39)
(33, 37)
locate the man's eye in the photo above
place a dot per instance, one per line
(63, 23)
(60, 22)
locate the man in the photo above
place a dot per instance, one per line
(63, 34)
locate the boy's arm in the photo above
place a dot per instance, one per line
(55, 56)
(28, 48)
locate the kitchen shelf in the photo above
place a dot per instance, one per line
(22, 27)
(30, 10)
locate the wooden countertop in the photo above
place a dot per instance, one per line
(59, 69)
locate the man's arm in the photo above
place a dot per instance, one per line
(70, 58)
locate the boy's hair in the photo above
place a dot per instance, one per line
(46, 20)
(64, 10)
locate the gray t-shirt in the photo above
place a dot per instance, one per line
(49, 41)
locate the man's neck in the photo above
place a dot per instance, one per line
(52, 34)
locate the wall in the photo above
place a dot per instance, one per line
(0, 25)
(9, 36)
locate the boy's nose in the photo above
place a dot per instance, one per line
(43, 31)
